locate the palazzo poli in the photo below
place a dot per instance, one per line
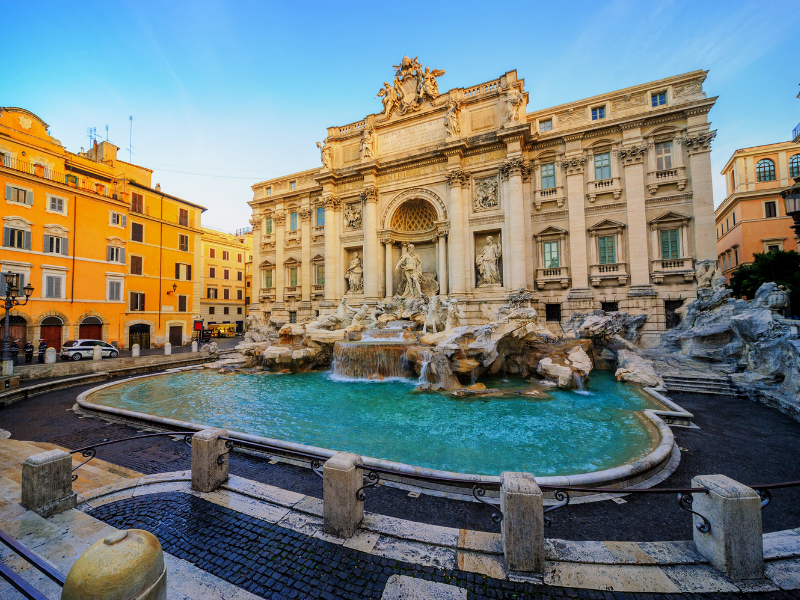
(474, 194)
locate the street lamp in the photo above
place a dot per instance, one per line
(9, 302)
(791, 196)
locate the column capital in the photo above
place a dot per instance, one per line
(512, 167)
(331, 202)
(369, 194)
(633, 154)
(457, 178)
(255, 221)
(574, 165)
(279, 217)
(699, 143)
(305, 214)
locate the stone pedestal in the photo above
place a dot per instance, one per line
(8, 367)
(135, 350)
(734, 545)
(50, 356)
(208, 471)
(167, 349)
(342, 511)
(47, 483)
(522, 527)
(97, 353)
(194, 346)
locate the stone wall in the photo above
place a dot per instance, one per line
(85, 367)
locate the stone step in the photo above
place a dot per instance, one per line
(704, 389)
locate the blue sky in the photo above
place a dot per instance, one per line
(225, 94)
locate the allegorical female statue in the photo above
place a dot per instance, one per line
(355, 275)
(488, 273)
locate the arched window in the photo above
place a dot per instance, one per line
(765, 170)
(794, 166)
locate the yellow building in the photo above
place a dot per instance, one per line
(224, 256)
(66, 231)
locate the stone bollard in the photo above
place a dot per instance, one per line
(50, 356)
(47, 483)
(8, 368)
(167, 349)
(125, 564)
(522, 527)
(194, 346)
(97, 353)
(342, 511)
(207, 471)
(734, 545)
(135, 351)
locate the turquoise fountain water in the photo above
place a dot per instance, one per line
(571, 432)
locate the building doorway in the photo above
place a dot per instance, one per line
(91, 328)
(17, 330)
(175, 335)
(671, 317)
(51, 332)
(139, 334)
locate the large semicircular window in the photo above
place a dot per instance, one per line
(414, 215)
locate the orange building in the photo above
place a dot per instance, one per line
(66, 230)
(225, 256)
(753, 217)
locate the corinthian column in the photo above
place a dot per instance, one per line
(639, 260)
(305, 256)
(442, 266)
(372, 259)
(331, 245)
(456, 179)
(255, 257)
(389, 269)
(579, 265)
(515, 264)
(699, 147)
(279, 219)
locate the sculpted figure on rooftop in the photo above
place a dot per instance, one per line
(324, 154)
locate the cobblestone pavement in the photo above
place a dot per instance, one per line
(273, 562)
(745, 440)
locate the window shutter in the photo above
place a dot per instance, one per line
(601, 250)
(177, 271)
(65, 246)
(2, 286)
(124, 221)
(49, 289)
(188, 272)
(133, 305)
(27, 240)
(9, 191)
(29, 198)
(665, 244)
(46, 244)
(673, 245)
(122, 255)
(6, 236)
(108, 253)
(57, 286)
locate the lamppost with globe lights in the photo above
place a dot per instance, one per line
(791, 196)
(10, 301)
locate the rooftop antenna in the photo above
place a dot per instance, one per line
(106, 132)
(130, 141)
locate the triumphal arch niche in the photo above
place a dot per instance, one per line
(598, 203)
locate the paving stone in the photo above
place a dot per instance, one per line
(784, 573)
(476, 562)
(400, 587)
(609, 577)
(415, 552)
(699, 579)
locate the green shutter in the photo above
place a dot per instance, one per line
(670, 247)
(605, 250)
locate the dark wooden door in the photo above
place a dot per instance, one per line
(90, 331)
(17, 331)
(51, 334)
(176, 335)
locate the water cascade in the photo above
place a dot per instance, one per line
(381, 353)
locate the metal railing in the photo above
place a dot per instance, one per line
(16, 581)
(796, 131)
(69, 179)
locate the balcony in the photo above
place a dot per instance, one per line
(318, 289)
(72, 180)
(267, 295)
(675, 176)
(616, 273)
(604, 186)
(796, 134)
(292, 291)
(555, 194)
(682, 267)
(559, 275)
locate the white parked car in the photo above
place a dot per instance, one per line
(78, 349)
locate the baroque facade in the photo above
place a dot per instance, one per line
(600, 203)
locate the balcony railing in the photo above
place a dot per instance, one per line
(663, 267)
(796, 132)
(72, 180)
(676, 175)
(547, 275)
(608, 271)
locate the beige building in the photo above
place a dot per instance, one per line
(604, 202)
(224, 256)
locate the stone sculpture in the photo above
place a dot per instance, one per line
(413, 86)
(352, 216)
(324, 154)
(431, 316)
(514, 100)
(485, 194)
(389, 95)
(451, 124)
(411, 266)
(363, 317)
(453, 314)
(704, 272)
(355, 275)
(487, 259)
(367, 144)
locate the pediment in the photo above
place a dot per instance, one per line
(318, 258)
(552, 231)
(291, 261)
(55, 229)
(670, 217)
(18, 222)
(115, 241)
(266, 263)
(607, 224)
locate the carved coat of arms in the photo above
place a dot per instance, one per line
(412, 87)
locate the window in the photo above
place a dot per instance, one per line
(240, 294)
(56, 245)
(238, 258)
(670, 247)
(239, 276)
(183, 243)
(183, 271)
(770, 209)
(548, 176)
(293, 222)
(292, 316)
(212, 293)
(16, 238)
(794, 166)
(605, 250)
(269, 191)
(602, 166)
(268, 225)
(114, 291)
(19, 282)
(773, 248)
(53, 286)
(734, 219)
(320, 274)
(212, 272)
(137, 203)
(137, 232)
(116, 255)
(598, 113)
(211, 310)
(118, 220)
(238, 310)
(136, 265)
(551, 260)
(552, 312)
(19, 195)
(226, 255)
(212, 253)
(663, 156)
(609, 306)
(736, 256)
(545, 125)
(56, 204)
(226, 274)
(292, 276)
(727, 224)
(293, 185)
(182, 303)
(137, 301)
(247, 300)
(226, 310)
(321, 215)
(765, 170)
(226, 294)
(183, 217)
(268, 279)
(658, 99)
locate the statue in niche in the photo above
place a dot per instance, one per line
(411, 266)
(355, 275)
(324, 154)
(451, 124)
(488, 273)
(513, 102)
(352, 216)
(485, 193)
(367, 144)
